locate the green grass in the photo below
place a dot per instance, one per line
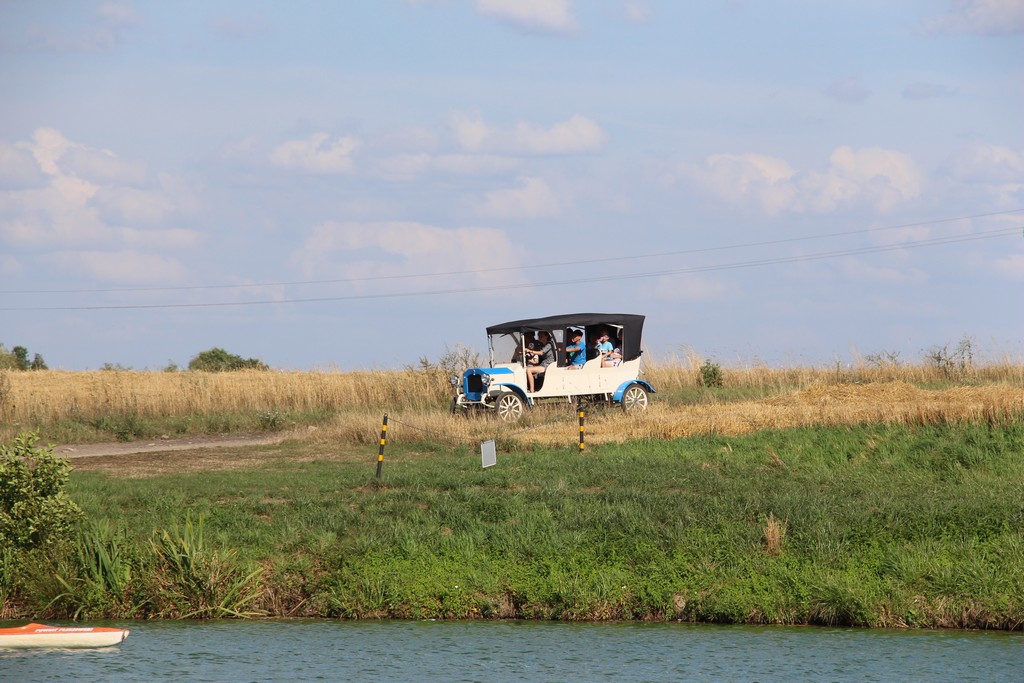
(131, 427)
(884, 526)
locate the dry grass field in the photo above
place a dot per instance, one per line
(349, 405)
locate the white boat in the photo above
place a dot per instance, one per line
(41, 635)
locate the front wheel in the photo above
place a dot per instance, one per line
(634, 399)
(510, 407)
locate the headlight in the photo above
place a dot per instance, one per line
(485, 379)
(455, 380)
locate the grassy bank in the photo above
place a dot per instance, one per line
(886, 525)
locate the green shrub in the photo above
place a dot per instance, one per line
(219, 360)
(710, 375)
(34, 509)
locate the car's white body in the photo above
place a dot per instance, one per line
(504, 379)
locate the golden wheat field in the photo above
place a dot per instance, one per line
(416, 401)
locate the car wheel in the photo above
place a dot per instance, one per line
(510, 407)
(455, 405)
(634, 399)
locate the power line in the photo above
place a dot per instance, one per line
(991, 234)
(535, 266)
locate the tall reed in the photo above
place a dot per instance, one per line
(195, 581)
(349, 405)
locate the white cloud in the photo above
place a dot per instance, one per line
(471, 133)
(89, 197)
(766, 181)
(576, 135)
(998, 172)
(398, 248)
(985, 17)
(1011, 267)
(533, 199)
(10, 265)
(637, 11)
(47, 146)
(476, 164)
(104, 31)
(879, 176)
(133, 205)
(117, 13)
(18, 167)
(317, 154)
(408, 166)
(986, 163)
(858, 269)
(872, 176)
(171, 238)
(926, 91)
(101, 166)
(405, 166)
(848, 90)
(123, 266)
(241, 28)
(545, 16)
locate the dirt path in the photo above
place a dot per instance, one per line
(160, 445)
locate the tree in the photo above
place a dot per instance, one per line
(35, 511)
(7, 359)
(219, 360)
(20, 357)
(17, 359)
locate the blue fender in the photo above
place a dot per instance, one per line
(617, 396)
(515, 389)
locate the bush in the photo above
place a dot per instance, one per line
(956, 363)
(710, 374)
(17, 359)
(34, 509)
(219, 360)
(452, 361)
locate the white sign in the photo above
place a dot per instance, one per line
(488, 453)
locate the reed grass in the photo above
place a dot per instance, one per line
(70, 407)
(192, 580)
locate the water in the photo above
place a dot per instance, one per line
(495, 652)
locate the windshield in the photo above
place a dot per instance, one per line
(505, 348)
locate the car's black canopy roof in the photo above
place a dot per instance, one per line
(632, 327)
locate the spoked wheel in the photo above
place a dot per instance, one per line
(634, 399)
(510, 407)
(455, 406)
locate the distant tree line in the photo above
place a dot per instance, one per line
(212, 360)
(17, 359)
(219, 360)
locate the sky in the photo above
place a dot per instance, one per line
(361, 185)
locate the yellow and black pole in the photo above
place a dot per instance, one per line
(583, 414)
(383, 442)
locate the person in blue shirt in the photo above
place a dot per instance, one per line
(604, 349)
(575, 350)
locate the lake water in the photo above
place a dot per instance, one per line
(494, 652)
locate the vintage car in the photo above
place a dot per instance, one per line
(611, 378)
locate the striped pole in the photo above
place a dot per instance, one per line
(583, 414)
(383, 441)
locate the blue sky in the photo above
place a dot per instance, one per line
(359, 185)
